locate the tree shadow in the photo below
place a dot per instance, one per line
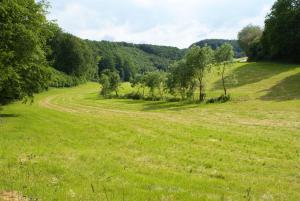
(253, 72)
(8, 115)
(171, 106)
(160, 105)
(287, 89)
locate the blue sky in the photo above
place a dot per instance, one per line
(163, 22)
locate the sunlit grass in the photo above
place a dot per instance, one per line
(72, 144)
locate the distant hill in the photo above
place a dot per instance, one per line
(215, 43)
(129, 58)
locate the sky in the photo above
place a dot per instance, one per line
(161, 22)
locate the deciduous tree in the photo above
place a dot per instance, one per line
(23, 37)
(200, 61)
(223, 58)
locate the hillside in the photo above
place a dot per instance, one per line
(130, 58)
(215, 43)
(70, 144)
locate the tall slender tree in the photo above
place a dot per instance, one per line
(223, 58)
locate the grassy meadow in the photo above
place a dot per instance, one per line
(71, 144)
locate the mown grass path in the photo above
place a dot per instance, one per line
(73, 145)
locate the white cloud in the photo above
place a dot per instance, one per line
(166, 22)
(259, 19)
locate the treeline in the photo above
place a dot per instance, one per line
(280, 38)
(215, 43)
(180, 81)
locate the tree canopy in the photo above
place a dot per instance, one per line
(199, 60)
(281, 37)
(215, 43)
(249, 39)
(72, 56)
(23, 39)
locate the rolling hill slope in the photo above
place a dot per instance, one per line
(73, 145)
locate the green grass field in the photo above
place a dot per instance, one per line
(73, 145)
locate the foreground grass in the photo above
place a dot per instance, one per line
(72, 145)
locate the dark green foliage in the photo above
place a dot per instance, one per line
(171, 53)
(113, 58)
(281, 37)
(155, 80)
(23, 38)
(59, 79)
(221, 99)
(110, 82)
(134, 96)
(249, 40)
(72, 56)
(105, 84)
(215, 43)
(131, 59)
(180, 80)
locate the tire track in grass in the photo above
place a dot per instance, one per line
(218, 118)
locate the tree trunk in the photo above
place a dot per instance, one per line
(223, 81)
(201, 90)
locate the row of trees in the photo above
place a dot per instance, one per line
(182, 78)
(189, 74)
(280, 38)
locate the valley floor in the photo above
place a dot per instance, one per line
(70, 144)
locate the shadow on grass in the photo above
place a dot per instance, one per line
(159, 105)
(171, 106)
(254, 72)
(8, 115)
(4, 115)
(287, 89)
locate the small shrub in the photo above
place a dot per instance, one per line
(220, 99)
(59, 79)
(173, 99)
(134, 96)
(153, 98)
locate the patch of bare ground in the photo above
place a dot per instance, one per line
(12, 196)
(47, 104)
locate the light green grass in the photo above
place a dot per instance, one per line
(73, 145)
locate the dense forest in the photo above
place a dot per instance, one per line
(279, 40)
(131, 59)
(36, 53)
